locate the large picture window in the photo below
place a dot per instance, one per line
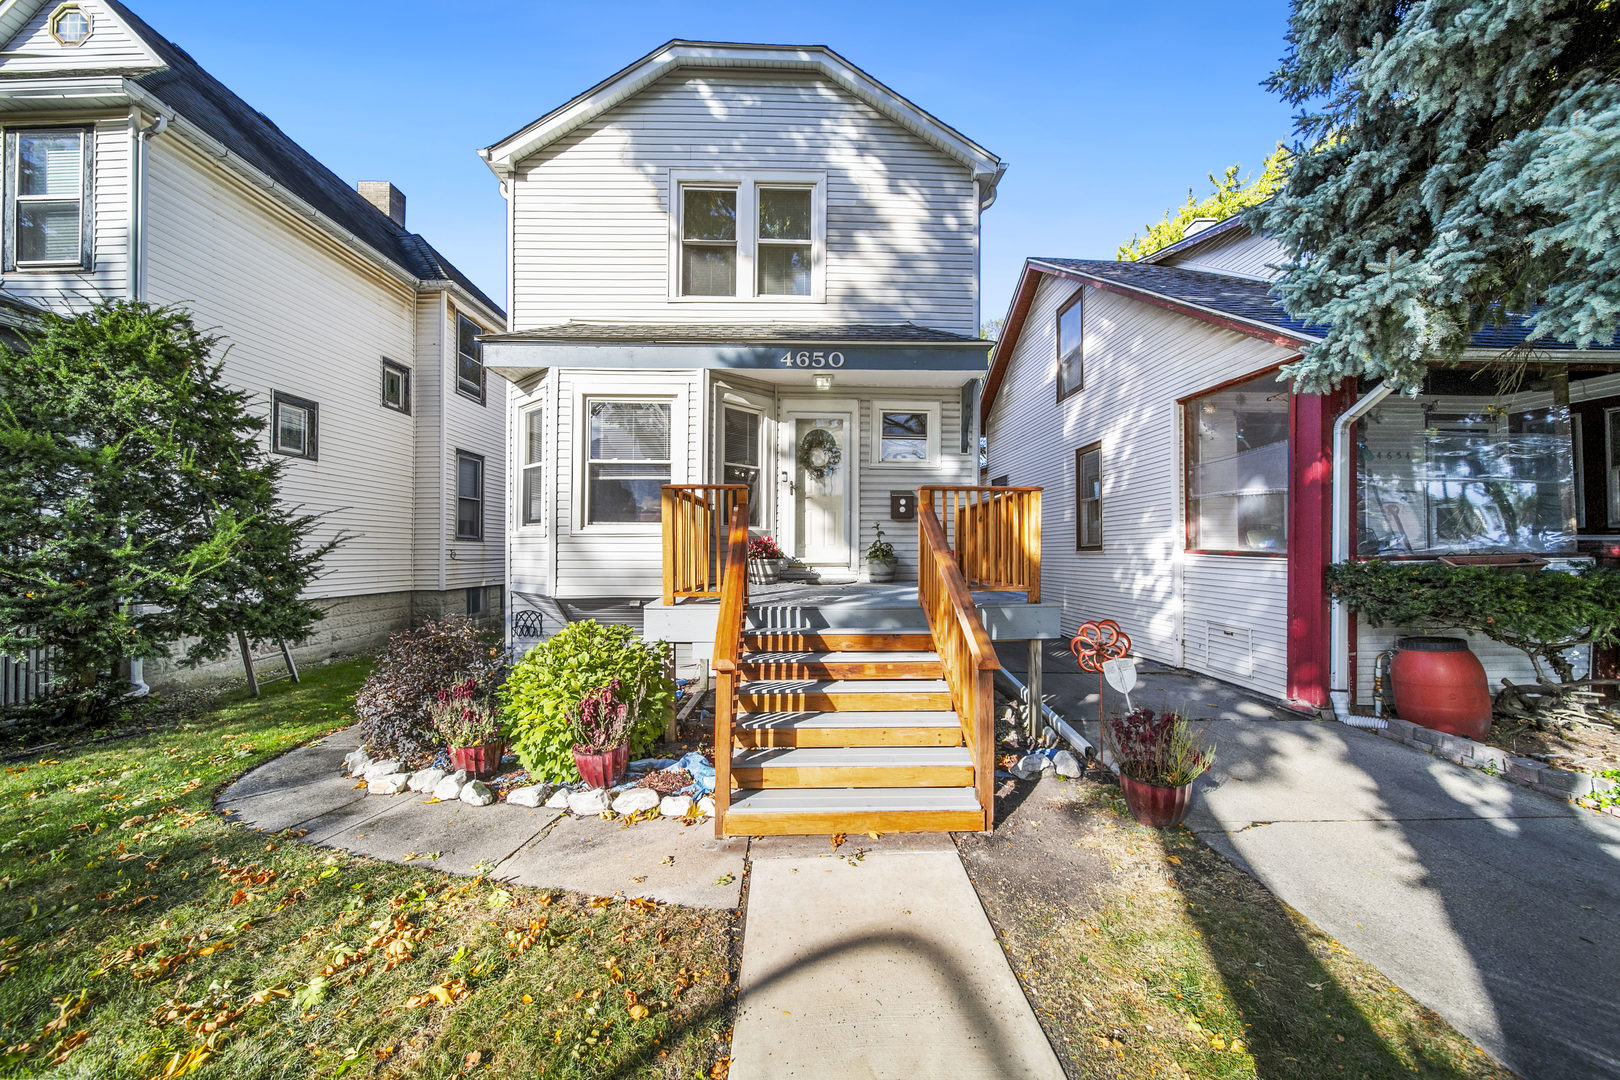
(469, 496)
(1237, 468)
(627, 462)
(1088, 498)
(469, 359)
(742, 457)
(533, 501)
(47, 198)
(1070, 361)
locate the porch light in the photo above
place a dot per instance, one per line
(821, 382)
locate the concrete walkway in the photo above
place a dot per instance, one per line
(881, 965)
(1496, 906)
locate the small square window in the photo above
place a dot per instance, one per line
(469, 496)
(294, 424)
(477, 602)
(907, 434)
(396, 386)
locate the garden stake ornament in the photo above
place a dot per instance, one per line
(1101, 646)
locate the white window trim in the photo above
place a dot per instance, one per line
(680, 436)
(13, 162)
(876, 439)
(520, 454)
(748, 184)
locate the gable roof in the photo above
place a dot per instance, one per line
(193, 94)
(1244, 305)
(1225, 227)
(678, 54)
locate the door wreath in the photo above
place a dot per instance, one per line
(819, 454)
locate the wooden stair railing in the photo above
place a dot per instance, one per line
(727, 655)
(695, 519)
(994, 533)
(965, 652)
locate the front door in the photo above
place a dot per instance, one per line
(819, 467)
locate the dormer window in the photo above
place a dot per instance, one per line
(749, 236)
(70, 25)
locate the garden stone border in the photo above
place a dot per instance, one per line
(1575, 787)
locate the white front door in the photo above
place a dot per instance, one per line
(819, 462)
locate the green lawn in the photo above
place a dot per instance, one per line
(143, 936)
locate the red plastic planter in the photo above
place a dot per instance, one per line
(1159, 807)
(1441, 685)
(603, 770)
(481, 762)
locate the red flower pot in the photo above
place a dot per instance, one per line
(1159, 807)
(481, 762)
(605, 769)
(1440, 684)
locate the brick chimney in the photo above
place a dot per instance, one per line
(385, 197)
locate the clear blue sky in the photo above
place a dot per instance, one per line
(1105, 112)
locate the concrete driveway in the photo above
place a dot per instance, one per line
(1496, 906)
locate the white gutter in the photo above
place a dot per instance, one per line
(1339, 619)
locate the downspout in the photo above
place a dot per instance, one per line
(1339, 616)
(137, 207)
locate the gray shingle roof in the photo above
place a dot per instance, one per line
(213, 107)
(709, 333)
(1248, 299)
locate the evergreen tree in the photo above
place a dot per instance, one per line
(1231, 195)
(137, 504)
(1459, 160)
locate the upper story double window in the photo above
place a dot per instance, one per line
(47, 198)
(749, 237)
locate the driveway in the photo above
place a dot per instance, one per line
(1496, 906)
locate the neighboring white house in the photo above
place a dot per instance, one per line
(131, 172)
(1189, 495)
(730, 262)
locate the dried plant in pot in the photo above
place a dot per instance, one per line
(600, 725)
(464, 717)
(1158, 756)
(765, 560)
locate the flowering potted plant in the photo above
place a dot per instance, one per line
(600, 725)
(880, 559)
(764, 560)
(465, 719)
(1158, 756)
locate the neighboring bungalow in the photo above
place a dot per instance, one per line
(1196, 493)
(130, 172)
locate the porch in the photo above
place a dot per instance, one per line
(856, 707)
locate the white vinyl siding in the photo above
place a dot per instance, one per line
(1239, 253)
(592, 221)
(480, 428)
(1140, 360)
(110, 45)
(72, 287)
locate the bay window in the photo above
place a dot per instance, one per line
(47, 198)
(627, 460)
(1237, 468)
(533, 500)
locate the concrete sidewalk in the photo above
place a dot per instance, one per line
(1496, 906)
(882, 965)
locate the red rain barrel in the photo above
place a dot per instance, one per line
(1440, 684)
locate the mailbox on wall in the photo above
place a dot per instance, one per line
(902, 506)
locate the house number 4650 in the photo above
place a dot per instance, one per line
(812, 359)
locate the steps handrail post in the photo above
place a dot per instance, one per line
(727, 652)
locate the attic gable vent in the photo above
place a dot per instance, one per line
(70, 25)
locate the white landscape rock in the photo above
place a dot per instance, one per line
(635, 801)
(1031, 766)
(391, 784)
(356, 761)
(559, 798)
(675, 805)
(386, 767)
(477, 793)
(530, 796)
(426, 779)
(450, 787)
(588, 803)
(1066, 764)
(706, 806)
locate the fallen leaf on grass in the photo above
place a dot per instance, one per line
(444, 994)
(471, 1060)
(1173, 860)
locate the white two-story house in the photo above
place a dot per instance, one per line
(733, 264)
(130, 172)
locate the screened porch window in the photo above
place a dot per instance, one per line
(628, 461)
(741, 462)
(1237, 468)
(1453, 474)
(47, 197)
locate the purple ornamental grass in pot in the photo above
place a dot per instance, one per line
(463, 715)
(600, 725)
(1158, 755)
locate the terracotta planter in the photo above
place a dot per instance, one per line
(1156, 806)
(1440, 684)
(605, 769)
(764, 571)
(481, 762)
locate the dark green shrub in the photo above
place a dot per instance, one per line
(393, 703)
(546, 686)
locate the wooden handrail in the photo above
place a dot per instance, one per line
(694, 518)
(994, 532)
(727, 654)
(965, 652)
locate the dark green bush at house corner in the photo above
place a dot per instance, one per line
(551, 678)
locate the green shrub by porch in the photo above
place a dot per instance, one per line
(1541, 614)
(551, 678)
